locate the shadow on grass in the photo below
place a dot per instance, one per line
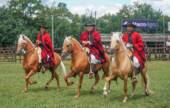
(85, 93)
(42, 89)
(119, 97)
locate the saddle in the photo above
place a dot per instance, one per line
(130, 55)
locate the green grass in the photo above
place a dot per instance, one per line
(12, 83)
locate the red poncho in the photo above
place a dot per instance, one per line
(96, 48)
(46, 47)
(138, 46)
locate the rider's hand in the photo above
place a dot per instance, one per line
(38, 42)
(129, 45)
(86, 42)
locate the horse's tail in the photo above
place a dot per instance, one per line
(63, 67)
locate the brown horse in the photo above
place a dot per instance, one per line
(80, 63)
(122, 67)
(31, 62)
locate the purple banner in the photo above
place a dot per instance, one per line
(143, 24)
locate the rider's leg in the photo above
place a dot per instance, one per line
(92, 65)
(136, 67)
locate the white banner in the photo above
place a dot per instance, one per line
(168, 26)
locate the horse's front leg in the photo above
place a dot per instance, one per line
(70, 74)
(81, 74)
(106, 89)
(53, 75)
(125, 89)
(27, 77)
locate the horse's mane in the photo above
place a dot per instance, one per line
(22, 36)
(117, 36)
(70, 38)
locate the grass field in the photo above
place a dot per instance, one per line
(12, 83)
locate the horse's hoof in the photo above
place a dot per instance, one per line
(58, 88)
(46, 88)
(132, 95)
(92, 89)
(147, 93)
(125, 100)
(25, 91)
(34, 82)
(109, 91)
(105, 93)
(70, 83)
(77, 96)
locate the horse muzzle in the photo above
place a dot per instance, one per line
(112, 51)
(20, 52)
(64, 55)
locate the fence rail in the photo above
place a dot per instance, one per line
(7, 54)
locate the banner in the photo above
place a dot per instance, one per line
(168, 26)
(143, 24)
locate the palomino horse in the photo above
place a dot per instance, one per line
(31, 62)
(122, 67)
(80, 63)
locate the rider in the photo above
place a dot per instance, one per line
(91, 39)
(133, 41)
(45, 43)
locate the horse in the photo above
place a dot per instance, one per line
(122, 67)
(80, 63)
(31, 62)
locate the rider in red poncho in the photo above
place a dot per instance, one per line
(91, 39)
(45, 43)
(133, 40)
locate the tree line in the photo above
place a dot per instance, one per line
(25, 16)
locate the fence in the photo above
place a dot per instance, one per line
(7, 54)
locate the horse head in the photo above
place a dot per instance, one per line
(67, 46)
(115, 41)
(23, 43)
(70, 45)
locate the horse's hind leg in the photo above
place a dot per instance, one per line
(57, 79)
(79, 84)
(146, 82)
(47, 84)
(97, 78)
(133, 88)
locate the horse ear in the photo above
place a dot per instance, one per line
(24, 37)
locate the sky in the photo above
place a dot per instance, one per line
(104, 6)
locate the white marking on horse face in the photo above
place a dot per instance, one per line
(21, 39)
(68, 39)
(114, 39)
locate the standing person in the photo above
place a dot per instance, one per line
(133, 41)
(47, 51)
(91, 39)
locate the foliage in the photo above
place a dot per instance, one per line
(25, 16)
